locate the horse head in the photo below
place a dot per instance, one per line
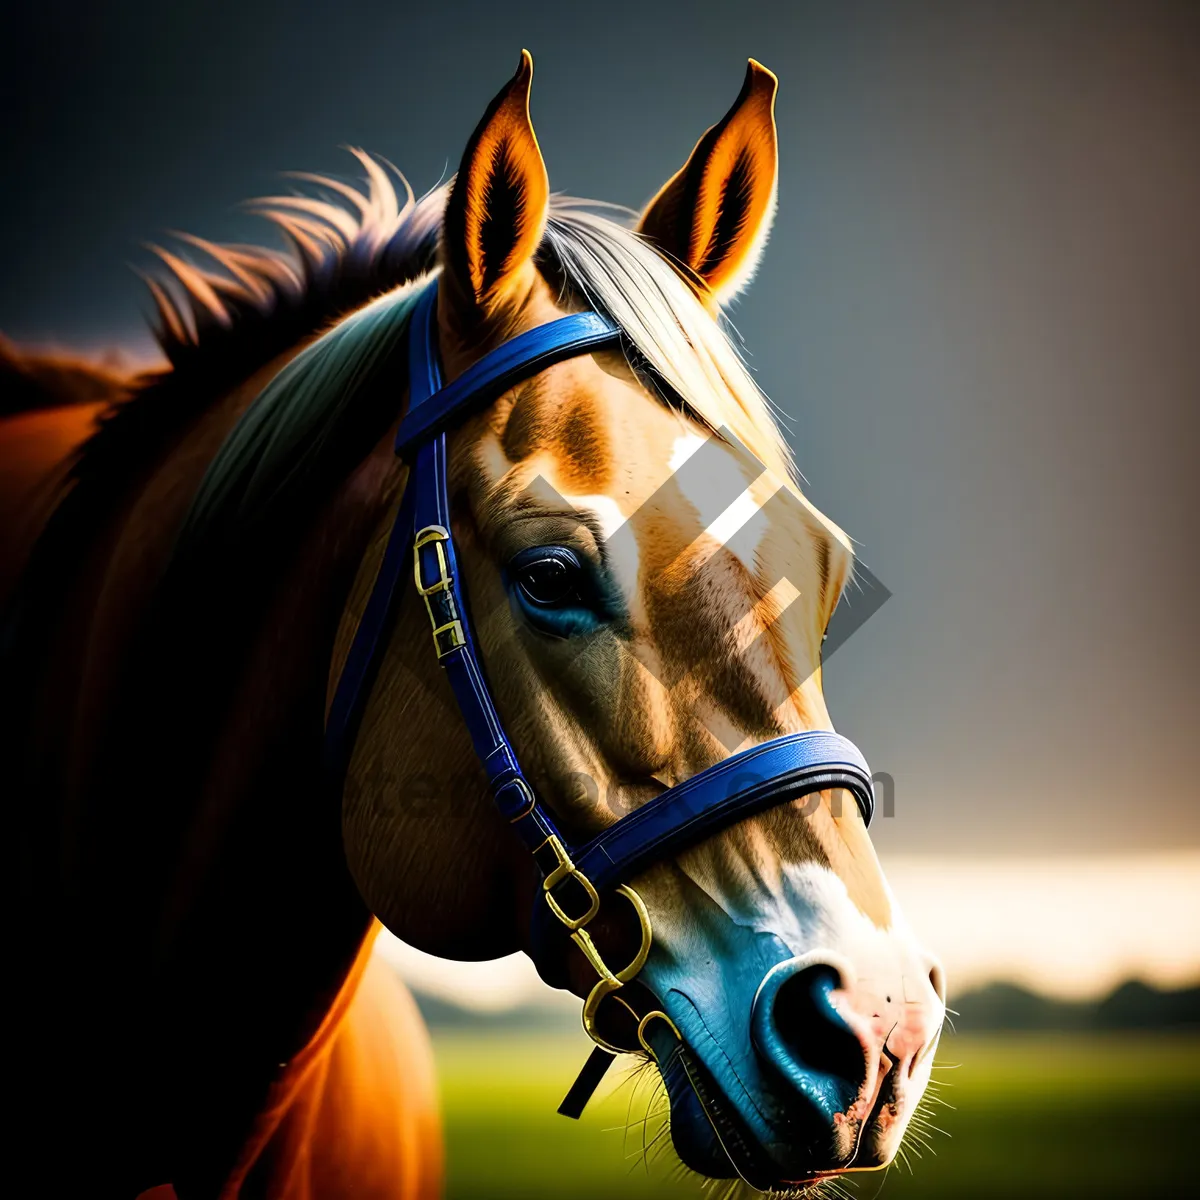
(649, 589)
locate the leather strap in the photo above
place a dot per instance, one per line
(515, 361)
(796, 764)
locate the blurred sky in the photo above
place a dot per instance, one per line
(980, 308)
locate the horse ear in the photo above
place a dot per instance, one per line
(496, 213)
(714, 215)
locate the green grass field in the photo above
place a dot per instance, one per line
(1045, 1115)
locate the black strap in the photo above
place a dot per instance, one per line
(584, 1087)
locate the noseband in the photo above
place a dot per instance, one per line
(574, 876)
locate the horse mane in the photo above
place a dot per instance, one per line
(217, 324)
(345, 248)
(219, 321)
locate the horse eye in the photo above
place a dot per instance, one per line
(548, 582)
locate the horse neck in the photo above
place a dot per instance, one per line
(182, 832)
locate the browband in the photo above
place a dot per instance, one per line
(517, 360)
(782, 769)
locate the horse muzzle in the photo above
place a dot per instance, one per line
(823, 1080)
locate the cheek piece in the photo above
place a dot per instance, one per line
(420, 547)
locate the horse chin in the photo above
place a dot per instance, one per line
(710, 1137)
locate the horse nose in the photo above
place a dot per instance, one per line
(797, 1029)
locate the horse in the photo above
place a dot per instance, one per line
(649, 591)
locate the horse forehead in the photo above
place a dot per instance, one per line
(594, 434)
(620, 452)
(652, 480)
(560, 419)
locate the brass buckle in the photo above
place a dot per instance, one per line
(447, 635)
(641, 1030)
(610, 981)
(564, 869)
(530, 801)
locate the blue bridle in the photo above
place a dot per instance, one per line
(779, 770)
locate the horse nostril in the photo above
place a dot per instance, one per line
(937, 980)
(813, 1030)
(798, 1030)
